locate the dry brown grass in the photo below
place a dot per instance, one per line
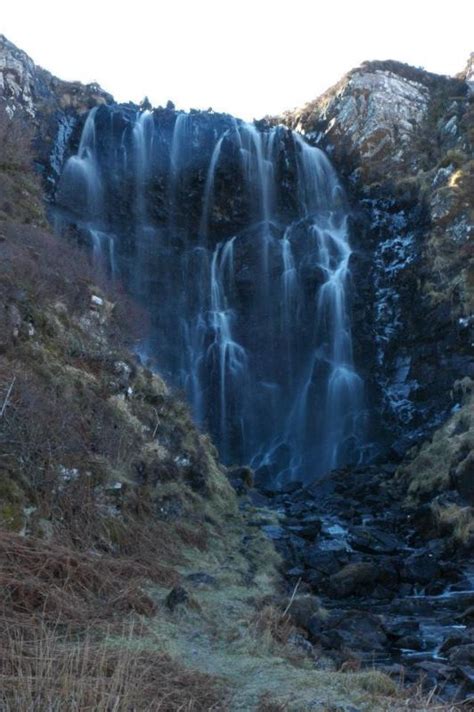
(46, 582)
(417, 698)
(271, 621)
(269, 704)
(455, 520)
(43, 670)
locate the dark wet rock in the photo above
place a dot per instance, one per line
(435, 670)
(467, 673)
(303, 608)
(388, 571)
(317, 626)
(258, 499)
(356, 578)
(178, 596)
(435, 588)
(357, 630)
(410, 642)
(378, 580)
(423, 519)
(467, 616)
(456, 639)
(396, 670)
(324, 562)
(400, 628)
(382, 593)
(420, 568)
(274, 531)
(374, 541)
(291, 548)
(300, 509)
(413, 606)
(291, 487)
(462, 655)
(308, 527)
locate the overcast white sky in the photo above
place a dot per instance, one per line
(247, 57)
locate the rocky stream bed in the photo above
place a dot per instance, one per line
(398, 593)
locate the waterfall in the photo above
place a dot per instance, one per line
(82, 173)
(236, 240)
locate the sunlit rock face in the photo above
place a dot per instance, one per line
(236, 238)
(379, 119)
(376, 115)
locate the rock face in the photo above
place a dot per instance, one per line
(236, 240)
(403, 138)
(374, 119)
(53, 106)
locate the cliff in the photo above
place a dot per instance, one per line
(403, 139)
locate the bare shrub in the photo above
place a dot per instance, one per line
(16, 137)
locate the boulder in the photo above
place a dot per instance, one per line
(410, 642)
(303, 608)
(178, 596)
(353, 579)
(358, 630)
(374, 541)
(324, 562)
(455, 639)
(462, 655)
(434, 671)
(308, 527)
(467, 673)
(420, 568)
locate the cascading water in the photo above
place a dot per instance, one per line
(237, 241)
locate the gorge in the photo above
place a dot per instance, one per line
(302, 538)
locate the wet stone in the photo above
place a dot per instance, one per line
(273, 531)
(467, 673)
(178, 596)
(308, 528)
(374, 541)
(325, 562)
(462, 655)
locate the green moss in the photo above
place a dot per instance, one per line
(12, 501)
(11, 516)
(429, 470)
(375, 682)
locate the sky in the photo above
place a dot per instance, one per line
(245, 57)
